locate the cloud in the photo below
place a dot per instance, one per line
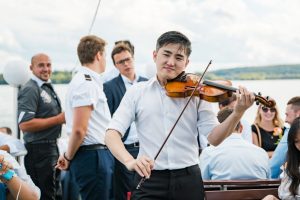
(232, 33)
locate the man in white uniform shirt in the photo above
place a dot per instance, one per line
(175, 174)
(87, 117)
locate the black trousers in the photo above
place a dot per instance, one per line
(123, 178)
(180, 184)
(40, 165)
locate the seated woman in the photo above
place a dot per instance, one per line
(290, 183)
(14, 181)
(267, 129)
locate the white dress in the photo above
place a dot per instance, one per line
(283, 190)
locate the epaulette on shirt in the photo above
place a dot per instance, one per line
(87, 77)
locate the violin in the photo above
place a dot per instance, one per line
(211, 91)
(188, 85)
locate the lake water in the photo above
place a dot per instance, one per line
(280, 90)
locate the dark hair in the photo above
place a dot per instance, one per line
(120, 47)
(126, 42)
(88, 47)
(228, 101)
(7, 130)
(295, 102)
(224, 114)
(174, 37)
(293, 157)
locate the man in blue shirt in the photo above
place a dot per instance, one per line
(279, 155)
(234, 158)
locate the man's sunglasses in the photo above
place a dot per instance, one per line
(266, 109)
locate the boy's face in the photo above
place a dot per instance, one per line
(124, 63)
(170, 61)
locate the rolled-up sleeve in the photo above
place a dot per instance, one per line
(85, 95)
(207, 119)
(125, 114)
(28, 99)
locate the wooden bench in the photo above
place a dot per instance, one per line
(240, 189)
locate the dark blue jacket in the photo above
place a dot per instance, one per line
(114, 91)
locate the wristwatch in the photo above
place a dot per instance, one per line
(8, 175)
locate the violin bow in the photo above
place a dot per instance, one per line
(171, 131)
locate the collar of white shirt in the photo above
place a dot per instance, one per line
(127, 81)
(39, 81)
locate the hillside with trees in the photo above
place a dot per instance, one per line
(237, 73)
(257, 73)
(58, 77)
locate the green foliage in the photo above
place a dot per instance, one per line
(61, 77)
(257, 73)
(58, 77)
(238, 73)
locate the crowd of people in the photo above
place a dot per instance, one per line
(127, 139)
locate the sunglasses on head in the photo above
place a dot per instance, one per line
(266, 109)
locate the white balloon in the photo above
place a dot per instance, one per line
(16, 72)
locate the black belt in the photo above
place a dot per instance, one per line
(92, 147)
(42, 142)
(178, 172)
(135, 144)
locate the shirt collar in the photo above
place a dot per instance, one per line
(154, 80)
(39, 81)
(95, 75)
(126, 80)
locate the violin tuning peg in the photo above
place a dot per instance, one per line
(267, 97)
(259, 94)
(257, 103)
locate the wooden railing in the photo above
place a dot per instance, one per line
(240, 189)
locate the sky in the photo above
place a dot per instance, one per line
(231, 33)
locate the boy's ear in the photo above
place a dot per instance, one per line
(154, 54)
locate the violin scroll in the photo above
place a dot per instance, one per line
(265, 101)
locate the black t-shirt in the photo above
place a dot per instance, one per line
(269, 141)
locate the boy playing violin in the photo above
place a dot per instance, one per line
(175, 174)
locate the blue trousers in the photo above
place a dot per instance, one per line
(93, 171)
(70, 189)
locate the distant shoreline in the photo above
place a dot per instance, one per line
(274, 72)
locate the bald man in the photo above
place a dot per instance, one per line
(40, 118)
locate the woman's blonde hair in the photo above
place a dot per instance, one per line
(277, 121)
